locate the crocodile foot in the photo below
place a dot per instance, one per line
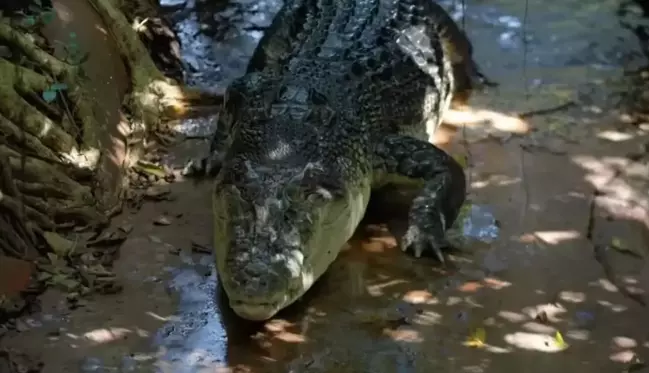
(199, 168)
(424, 234)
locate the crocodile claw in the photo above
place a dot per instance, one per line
(202, 167)
(194, 168)
(419, 240)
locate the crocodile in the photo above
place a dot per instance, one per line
(335, 103)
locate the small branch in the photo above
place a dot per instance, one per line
(547, 111)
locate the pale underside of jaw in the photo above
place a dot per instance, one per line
(344, 221)
(256, 311)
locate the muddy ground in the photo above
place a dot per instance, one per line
(568, 187)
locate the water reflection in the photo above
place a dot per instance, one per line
(196, 338)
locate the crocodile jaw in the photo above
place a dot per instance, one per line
(338, 225)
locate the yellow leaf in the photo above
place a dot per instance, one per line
(558, 340)
(150, 169)
(619, 245)
(59, 245)
(461, 159)
(477, 338)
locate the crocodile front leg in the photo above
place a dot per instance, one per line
(407, 159)
(210, 165)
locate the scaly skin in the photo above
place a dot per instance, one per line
(334, 103)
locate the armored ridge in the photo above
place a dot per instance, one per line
(334, 103)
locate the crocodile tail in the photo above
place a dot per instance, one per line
(457, 46)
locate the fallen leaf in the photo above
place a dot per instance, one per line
(201, 249)
(162, 220)
(150, 169)
(57, 263)
(477, 338)
(619, 245)
(60, 246)
(108, 238)
(559, 342)
(462, 160)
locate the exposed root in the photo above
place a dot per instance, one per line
(154, 98)
(52, 163)
(40, 187)
(16, 230)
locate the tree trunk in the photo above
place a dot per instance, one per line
(58, 168)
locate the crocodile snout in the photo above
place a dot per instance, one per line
(259, 288)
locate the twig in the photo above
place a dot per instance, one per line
(546, 111)
(197, 137)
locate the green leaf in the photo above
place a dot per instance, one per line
(49, 96)
(58, 87)
(29, 21)
(47, 17)
(79, 59)
(59, 245)
(73, 35)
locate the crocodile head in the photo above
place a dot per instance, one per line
(277, 229)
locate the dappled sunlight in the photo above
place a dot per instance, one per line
(405, 335)
(107, 335)
(87, 158)
(538, 328)
(489, 120)
(623, 356)
(162, 318)
(556, 237)
(614, 175)
(279, 329)
(572, 296)
(377, 290)
(174, 101)
(101, 29)
(63, 13)
(615, 136)
(616, 308)
(494, 180)
(533, 341)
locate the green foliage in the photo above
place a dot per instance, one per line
(37, 15)
(73, 53)
(49, 95)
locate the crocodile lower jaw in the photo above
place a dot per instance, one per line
(257, 311)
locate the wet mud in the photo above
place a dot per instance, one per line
(567, 188)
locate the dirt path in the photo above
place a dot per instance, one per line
(562, 194)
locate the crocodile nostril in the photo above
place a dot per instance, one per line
(256, 269)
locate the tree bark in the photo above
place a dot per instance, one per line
(45, 182)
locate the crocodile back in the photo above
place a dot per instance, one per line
(336, 76)
(381, 60)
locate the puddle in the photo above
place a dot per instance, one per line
(196, 338)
